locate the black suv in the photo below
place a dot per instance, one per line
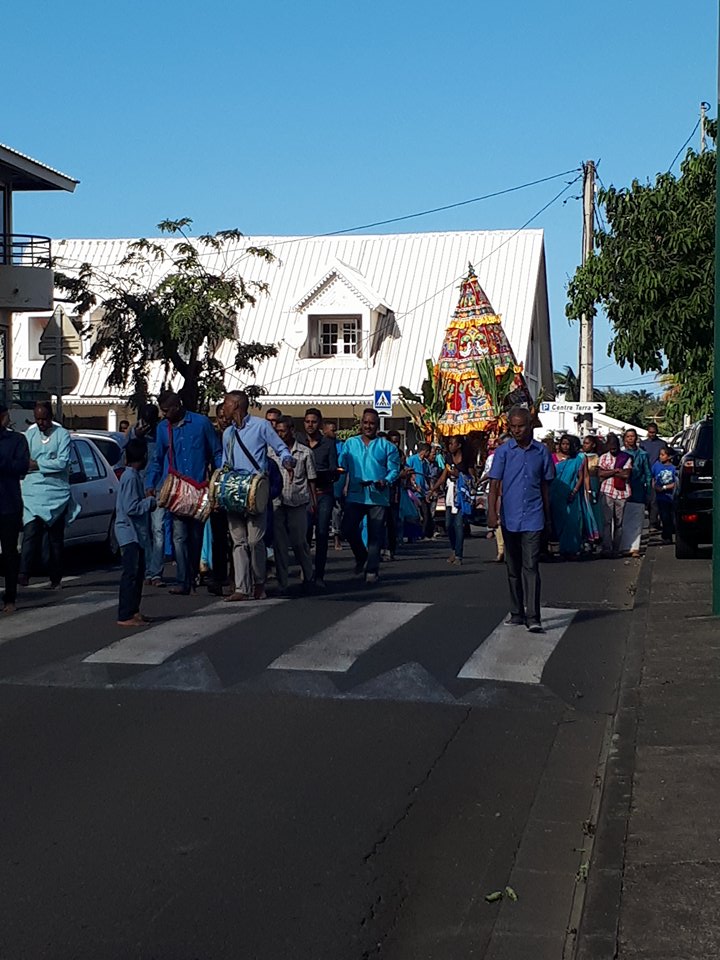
(693, 494)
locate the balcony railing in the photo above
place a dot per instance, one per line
(24, 250)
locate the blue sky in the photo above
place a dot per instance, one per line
(305, 117)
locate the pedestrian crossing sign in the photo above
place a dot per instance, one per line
(383, 401)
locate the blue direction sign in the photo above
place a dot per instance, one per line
(383, 401)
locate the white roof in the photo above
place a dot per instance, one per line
(414, 276)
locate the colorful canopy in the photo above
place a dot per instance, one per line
(474, 336)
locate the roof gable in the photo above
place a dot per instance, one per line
(353, 279)
(417, 273)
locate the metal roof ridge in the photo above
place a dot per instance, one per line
(16, 154)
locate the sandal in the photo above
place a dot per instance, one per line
(236, 597)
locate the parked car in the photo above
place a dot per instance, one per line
(693, 493)
(111, 445)
(94, 487)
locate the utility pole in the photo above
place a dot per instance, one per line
(704, 107)
(586, 320)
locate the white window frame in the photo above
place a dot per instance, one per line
(338, 336)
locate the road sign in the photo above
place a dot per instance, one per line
(52, 371)
(572, 407)
(383, 401)
(60, 336)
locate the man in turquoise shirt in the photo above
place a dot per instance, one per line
(372, 464)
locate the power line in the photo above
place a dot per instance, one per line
(692, 134)
(437, 293)
(377, 223)
(450, 206)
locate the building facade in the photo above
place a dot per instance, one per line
(349, 315)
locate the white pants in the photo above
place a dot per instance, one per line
(632, 527)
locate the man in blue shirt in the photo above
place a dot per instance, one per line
(522, 471)
(247, 532)
(372, 464)
(187, 444)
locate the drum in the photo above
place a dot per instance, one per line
(237, 491)
(185, 498)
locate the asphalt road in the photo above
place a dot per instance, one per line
(343, 776)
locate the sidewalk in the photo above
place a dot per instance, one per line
(654, 882)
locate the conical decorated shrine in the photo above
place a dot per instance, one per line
(480, 376)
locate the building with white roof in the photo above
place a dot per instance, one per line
(350, 315)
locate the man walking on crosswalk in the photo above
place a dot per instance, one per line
(372, 464)
(522, 471)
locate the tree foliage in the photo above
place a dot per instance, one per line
(568, 383)
(653, 274)
(164, 303)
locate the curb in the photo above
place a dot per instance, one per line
(597, 937)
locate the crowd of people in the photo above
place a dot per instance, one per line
(602, 490)
(276, 492)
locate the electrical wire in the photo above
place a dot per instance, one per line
(407, 313)
(379, 223)
(692, 134)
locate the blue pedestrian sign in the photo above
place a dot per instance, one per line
(383, 401)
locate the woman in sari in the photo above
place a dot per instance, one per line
(565, 504)
(592, 507)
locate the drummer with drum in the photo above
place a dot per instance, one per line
(187, 449)
(243, 492)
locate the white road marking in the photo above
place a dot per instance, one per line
(336, 648)
(515, 655)
(155, 645)
(44, 585)
(33, 620)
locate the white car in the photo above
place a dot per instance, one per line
(94, 487)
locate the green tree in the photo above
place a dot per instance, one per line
(653, 274)
(164, 303)
(567, 383)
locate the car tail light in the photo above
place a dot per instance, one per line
(689, 466)
(690, 517)
(118, 471)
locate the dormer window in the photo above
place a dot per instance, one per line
(339, 336)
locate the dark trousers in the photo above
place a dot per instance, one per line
(352, 532)
(455, 523)
(522, 554)
(321, 524)
(220, 546)
(187, 541)
(33, 534)
(10, 527)
(131, 580)
(653, 508)
(665, 509)
(394, 527)
(428, 521)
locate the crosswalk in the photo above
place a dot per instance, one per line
(347, 647)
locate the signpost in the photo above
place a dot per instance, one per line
(383, 405)
(59, 374)
(571, 406)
